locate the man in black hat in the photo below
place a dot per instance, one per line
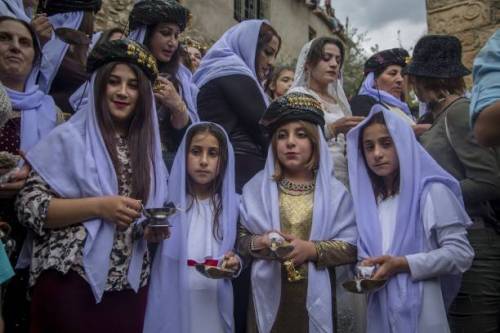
(436, 74)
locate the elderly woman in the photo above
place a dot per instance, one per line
(34, 115)
(383, 84)
(436, 74)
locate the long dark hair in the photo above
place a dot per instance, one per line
(378, 184)
(216, 185)
(266, 34)
(170, 67)
(140, 138)
(318, 48)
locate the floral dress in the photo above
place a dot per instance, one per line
(62, 249)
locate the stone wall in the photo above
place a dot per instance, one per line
(291, 18)
(473, 22)
(114, 13)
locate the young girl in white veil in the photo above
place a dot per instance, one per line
(318, 73)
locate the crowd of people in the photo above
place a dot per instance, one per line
(150, 183)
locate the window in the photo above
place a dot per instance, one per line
(247, 9)
(237, 10)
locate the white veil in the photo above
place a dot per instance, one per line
(301, 84)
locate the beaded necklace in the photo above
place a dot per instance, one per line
(301, 188)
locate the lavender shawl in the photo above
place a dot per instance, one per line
(55, 49)
(367, 88)
(74, 161)
(396, 307)
(189, 91)
(167, 309)
(14, 8)
(233, 53)
(333, 218)
(38, 114)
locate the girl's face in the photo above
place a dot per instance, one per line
(327, 69)
(293, 147)
(164, 41)
(283, 83)
(203, 160)
(266, 57)
(194, 56)
(391, 80)
(122, 94)
(380, 152)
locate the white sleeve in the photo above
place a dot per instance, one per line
(444, 222)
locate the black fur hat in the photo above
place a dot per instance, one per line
(385, 58)
(437, 56)
(52, 7)
(123, 50)
(150, 12)
(291, 107)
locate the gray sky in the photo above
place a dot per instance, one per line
(382, 19)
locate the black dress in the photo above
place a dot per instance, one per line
(361, 105)
(236, 103)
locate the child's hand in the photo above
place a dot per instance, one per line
(303, 251)
(231, 261)
(388, 266)
(263, 241)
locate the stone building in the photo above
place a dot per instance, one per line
(296, 20)
(472, 21)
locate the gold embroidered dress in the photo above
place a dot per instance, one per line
(296, 213)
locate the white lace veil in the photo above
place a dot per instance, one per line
(301, 84)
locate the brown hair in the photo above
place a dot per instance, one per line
(140, 138)
(266, 34)
(318, 48)
(217, 183)
(313, 135)
(454, 86)
(276, 73)
(106, 34)
(378, 184)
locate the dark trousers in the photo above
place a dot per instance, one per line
(65, 304)
(476, 308)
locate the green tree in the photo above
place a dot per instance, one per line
(354, 61)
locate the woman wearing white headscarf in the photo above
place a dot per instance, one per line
(318, 73)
